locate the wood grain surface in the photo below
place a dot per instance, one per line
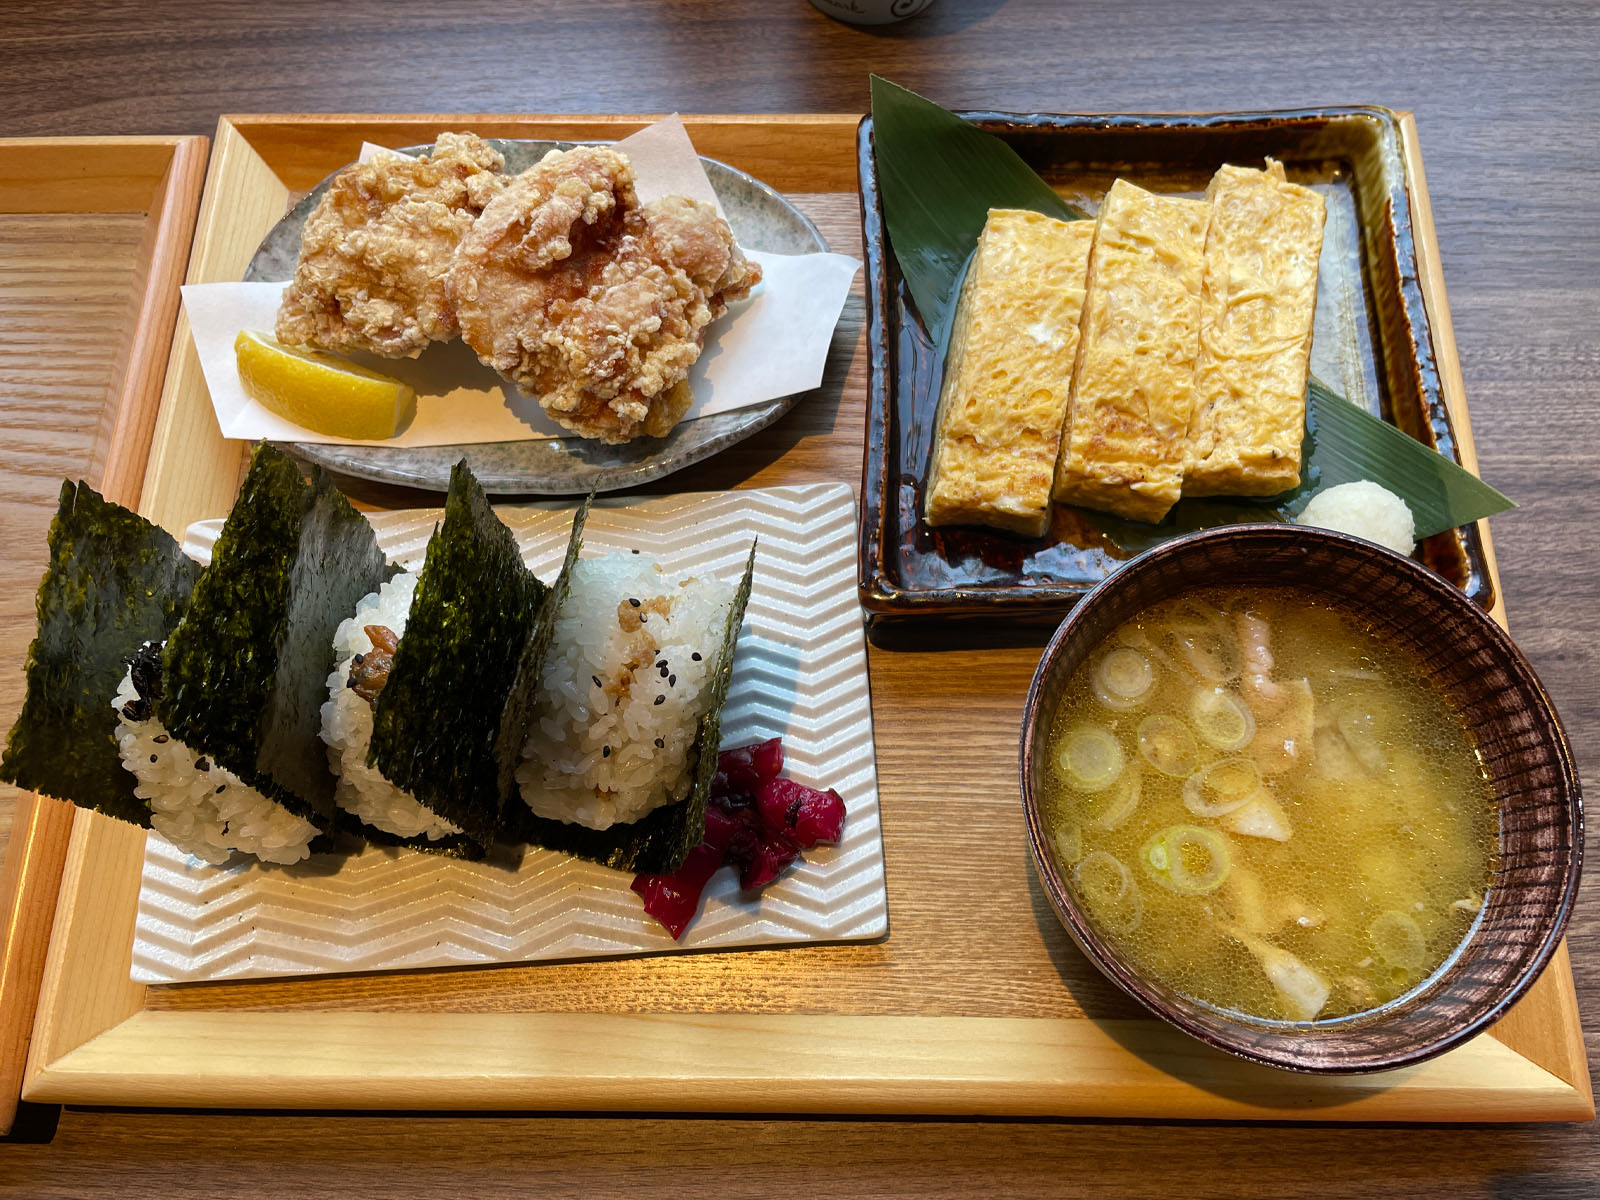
(92, 246)
(1501, 95)
(65, 280)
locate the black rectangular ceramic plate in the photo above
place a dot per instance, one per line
(1372, 343)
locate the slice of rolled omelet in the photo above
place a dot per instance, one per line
(1257, 306)
(1125, 440)
(1009, 371)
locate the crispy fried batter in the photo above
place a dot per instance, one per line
(374, 253)
(577, 294)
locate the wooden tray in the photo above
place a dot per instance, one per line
(94, 234)
(975, 1004)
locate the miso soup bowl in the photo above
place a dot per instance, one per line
(1525, 753)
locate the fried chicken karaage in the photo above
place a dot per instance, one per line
(579, 295)
(375, 251)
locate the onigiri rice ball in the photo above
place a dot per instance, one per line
(347, 723)
(629, 673)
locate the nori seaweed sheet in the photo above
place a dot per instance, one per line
(244, 673)
(436, 729)
(338, 563)
(657, 843)
(115, 581)
(519, 707)
(514, 717)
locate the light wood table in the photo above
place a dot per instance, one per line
(1501, 96)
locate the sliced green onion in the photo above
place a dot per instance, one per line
(1187, 859)
(1397, 939)
(1110, 807)
(1069, 843)
(1107, 890)
(1221, 718)
(1168, 746)
(1123, 678)
(1090, 757)
(1221, 787)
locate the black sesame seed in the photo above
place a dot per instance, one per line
(672, 681)
(153, 758)
(633, 602)
(358, 660)
(661, 743)
(220, 788)
(160, 739)
(597, 682)
(605, 751)
(202, 764)
(661, 699)
(661, 662)
(695, 656)
(633, 552)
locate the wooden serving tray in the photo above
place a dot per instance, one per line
(94, 235)
(976, 1003)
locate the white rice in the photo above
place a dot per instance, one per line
(204, 811)
(347, 723)
(612, 730)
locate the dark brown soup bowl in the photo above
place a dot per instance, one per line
(1525, 755)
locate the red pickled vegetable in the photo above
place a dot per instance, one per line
(767, 757)
(721, 825)
(765, 861)
(739, 768)
(760, 852)
(746, 768)
(674, 899)
(804, 814)
(755, 821)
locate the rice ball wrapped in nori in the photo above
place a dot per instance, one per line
(241, 677)
(198, 805)
(391, 815)
(449, 703)
(624, 687)
(623, 744)
(114, 582)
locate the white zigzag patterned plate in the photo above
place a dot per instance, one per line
(801, 673)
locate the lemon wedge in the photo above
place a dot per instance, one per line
(321, 391)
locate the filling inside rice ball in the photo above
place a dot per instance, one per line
(196, 804)
(364, 645)
(627, 678)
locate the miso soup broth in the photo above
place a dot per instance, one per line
(1266, 807)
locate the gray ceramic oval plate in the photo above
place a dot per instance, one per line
(761, 219)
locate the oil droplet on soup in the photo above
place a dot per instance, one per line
(1311, 830)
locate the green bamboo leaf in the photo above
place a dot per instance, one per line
(939, 177)
(1343, 443)
(1350, 444)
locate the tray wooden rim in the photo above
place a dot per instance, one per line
(95, 1043)
(160, 177)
